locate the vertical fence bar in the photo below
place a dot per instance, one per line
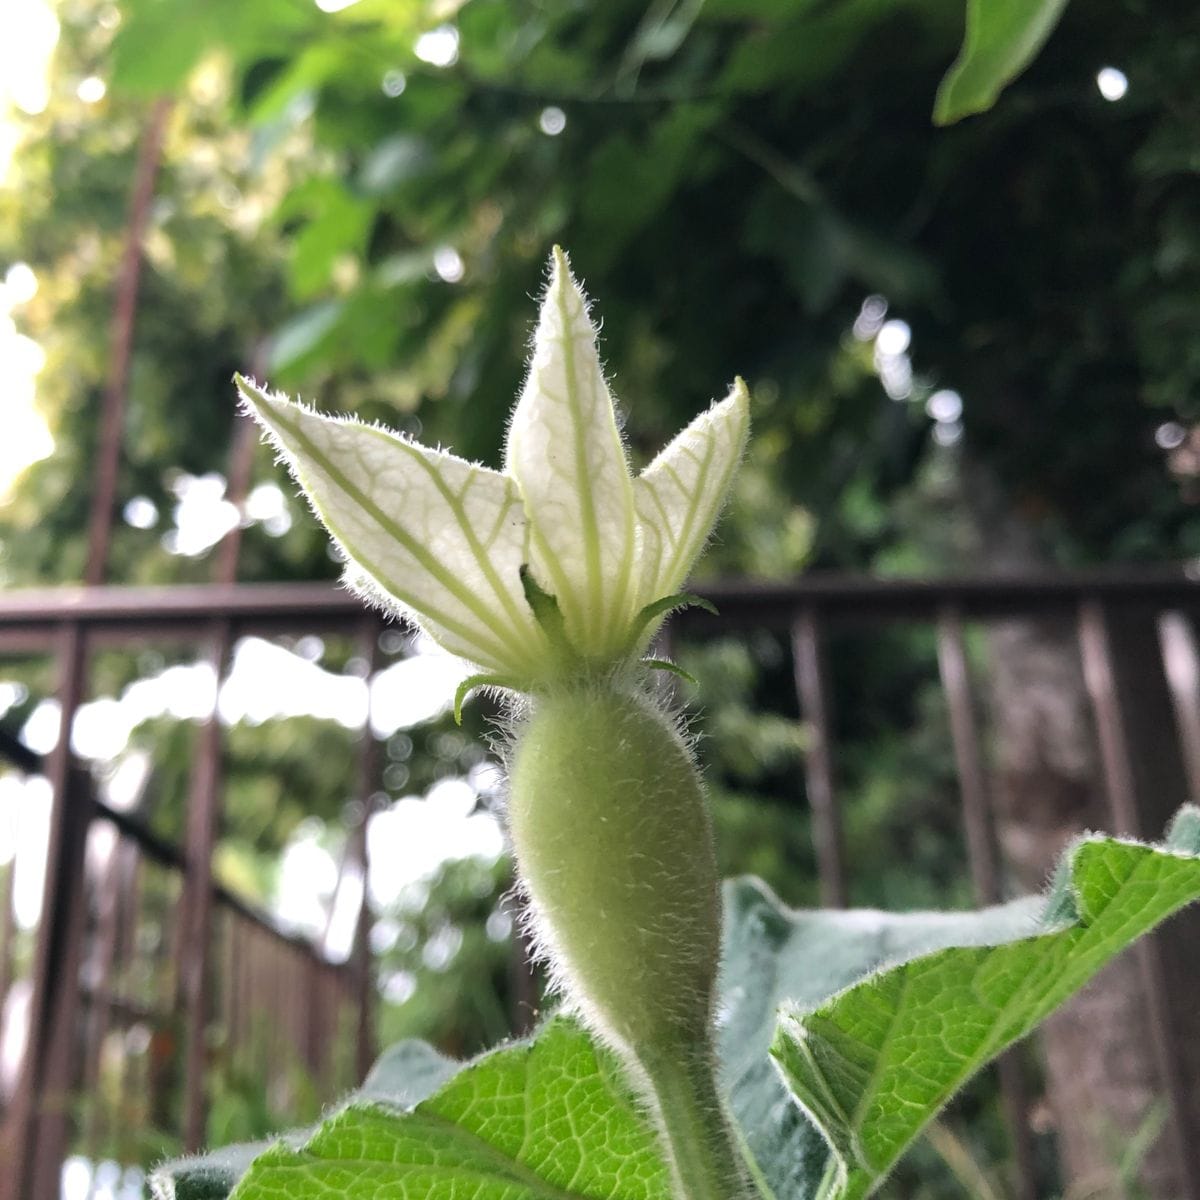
(812, 692)
(256, 989)
(124, 958)
(284, 1009)
(296, 997)
(241, 464)
(229, 988)
(101, 995)
(246, 1003)
(39, 1121)
(1121, 790)
(111, 424)
(8, 931)
(316, 1029)
(237, 985)
(273, 1031)
(370, 766)
(1181, 662)
(983, 861)
(964, 733)
(125, 972)
(523, 978)
(1100, 680)
(194, 945)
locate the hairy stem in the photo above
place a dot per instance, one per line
(705, 1158)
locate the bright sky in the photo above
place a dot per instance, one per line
(28, 35)
(26, 437)
(266, 681)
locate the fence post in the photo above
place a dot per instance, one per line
(111, 423)
(983, 860)
(39, 1120)
(1181, 661)
(812, 691)
(194, 943)
(8, 929)
(1144, 777)
(370, 764)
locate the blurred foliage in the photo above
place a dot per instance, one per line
(319, 175)
(445, 955)
(1000, 42)
(1039, 252)
(278, 773)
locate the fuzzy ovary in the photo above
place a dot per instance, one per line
(614, 846)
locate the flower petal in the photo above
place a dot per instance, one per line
(681, 493)
(566, 454)
(437, 535)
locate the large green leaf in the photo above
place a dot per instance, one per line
(775, 955)
(551, 1119)
(885, 1016)
(404, 1075)
(1002, 38)
(547, 1119)
(876, 1062)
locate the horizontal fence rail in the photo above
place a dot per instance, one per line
(158, 611)
(223, 961)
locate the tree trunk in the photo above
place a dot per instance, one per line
(1106, 1071)
(1101, 1072)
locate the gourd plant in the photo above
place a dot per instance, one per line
(806, 1066)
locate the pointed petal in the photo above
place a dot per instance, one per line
(566, 454)
(681, 493)
(440, 536)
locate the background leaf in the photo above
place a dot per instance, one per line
(1003, 36)
(875, 1063)
(775, 954)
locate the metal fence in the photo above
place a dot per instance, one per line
(226, 961)
(218, 966)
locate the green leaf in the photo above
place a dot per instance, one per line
(546, 611)
(394, 161)
(1002, 38)
(549, 1119)
(552, 1117)
(404, 1075)
(304, 333)
(214, 1175)
(775, 955)
(160, 41)
(469, 685)
(646, 623)
(878, 1061)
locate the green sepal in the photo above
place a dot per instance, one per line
(662, 664)
(667, 604)
(470, 684)
(547, 614)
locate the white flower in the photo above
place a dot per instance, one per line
(565, 562)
